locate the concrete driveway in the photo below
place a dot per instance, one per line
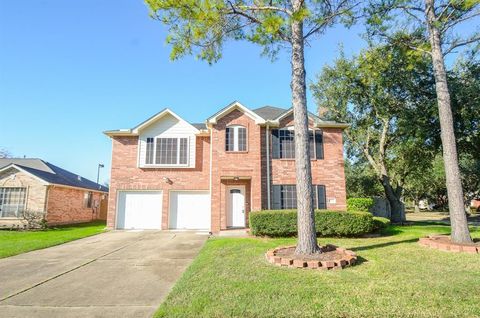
(115, 274)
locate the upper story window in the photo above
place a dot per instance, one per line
(283, 144)
(167, 151)
(236, 138)
(12, 202)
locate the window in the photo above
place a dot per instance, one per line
(283, 144)
(285, 197)
(12, 202)
(87, 199)
(286, 139)
(150, 151)
(236, 138)
(166, 151)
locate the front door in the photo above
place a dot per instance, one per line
(236, 206)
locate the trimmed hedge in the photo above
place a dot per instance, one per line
(327, 223)
(359, 204)
(380, 223)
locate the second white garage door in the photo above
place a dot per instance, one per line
(189, 210)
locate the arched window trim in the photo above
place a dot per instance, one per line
(240, 140)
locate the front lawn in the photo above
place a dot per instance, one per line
(17, 242)
(395, 278)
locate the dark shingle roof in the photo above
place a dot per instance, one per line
(199, 126)
(269, 112)
(51, 173)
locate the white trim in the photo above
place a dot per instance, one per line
(157, 116)
(134, 190)
(166, 165)
(235, 105)
(12, 165)
(228, 203)
(267, 141)
(210, 174)
(53, 185)
(236, 143)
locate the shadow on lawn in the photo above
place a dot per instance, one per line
(373, 246)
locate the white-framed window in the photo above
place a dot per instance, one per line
(236, 138)
(12, 202)
(283, 143)
(167, 151)
(284, 196)
(87, 199)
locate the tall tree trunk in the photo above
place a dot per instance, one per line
(307, 236)
(458, 219)
(397, 208)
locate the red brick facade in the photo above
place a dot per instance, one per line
(66, 205)
(247, 168)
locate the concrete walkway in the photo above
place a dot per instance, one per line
(115, 274)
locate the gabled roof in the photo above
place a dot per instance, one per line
(269, 115)
(273, 115)
(135, 130)
(232, 106)
(50, 173)
(269, 112)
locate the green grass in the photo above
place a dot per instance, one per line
(395, 278)
(17, 242)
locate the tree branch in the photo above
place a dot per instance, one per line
(458, 44)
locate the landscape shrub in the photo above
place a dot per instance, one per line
(359, 204)
(328, 223)
(380, 223)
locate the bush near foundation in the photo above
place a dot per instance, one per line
(283, 223)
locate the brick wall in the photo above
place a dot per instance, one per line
(248, 167)
(125, 175)
(227, 165)
(66, 205)
(35, 197)
(328, 171)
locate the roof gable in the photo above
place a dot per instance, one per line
(135, 131)
(157, 117)
(50, 174)
(235, 106)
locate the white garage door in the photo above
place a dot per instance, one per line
(190, 210)
(139, 210)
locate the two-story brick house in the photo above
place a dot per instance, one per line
(170, 174)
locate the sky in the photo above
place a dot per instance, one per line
(70, 70)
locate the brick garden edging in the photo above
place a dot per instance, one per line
(442, 242)
(349, 258)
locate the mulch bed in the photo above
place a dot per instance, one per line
(331, 257)
(443, 242)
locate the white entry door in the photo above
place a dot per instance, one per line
(236, 206)
(139, 210)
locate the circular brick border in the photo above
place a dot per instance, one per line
(442, 242)
(349, 258)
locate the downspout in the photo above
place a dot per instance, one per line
(47, 192)
(210, 181)
(267, 141)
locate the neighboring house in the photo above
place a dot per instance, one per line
(38, 186)
(170, 174)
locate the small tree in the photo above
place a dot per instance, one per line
(201, 28)
(437, 21)
(4, 153)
